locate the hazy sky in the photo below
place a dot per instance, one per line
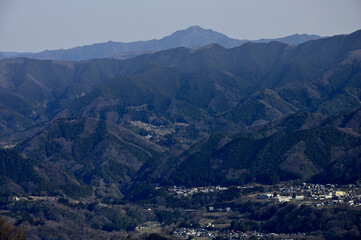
(36, 25)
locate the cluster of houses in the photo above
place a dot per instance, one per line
(34, 198)
(188, 233)
(311, 194)
(186, 192)
(318, 194)
(154, 130)
(230, 234)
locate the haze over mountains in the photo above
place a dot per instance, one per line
(192, 37)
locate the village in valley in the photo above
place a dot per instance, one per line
(215, 221)
(314, 195)
(307, 193)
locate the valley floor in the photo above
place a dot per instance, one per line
(283, 211)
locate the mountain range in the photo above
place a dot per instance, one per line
(258, 112)
(192, 37)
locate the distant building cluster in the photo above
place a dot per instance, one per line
(35, 198)
(318, 194)
(188, 233)
(152, 129)
(186, 192)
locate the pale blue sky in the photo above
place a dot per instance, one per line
(36, 25)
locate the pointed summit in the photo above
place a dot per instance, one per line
(196, 36)
(195, 28)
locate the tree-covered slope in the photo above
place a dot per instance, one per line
(89, 152)
(33, 91)
(241, 159)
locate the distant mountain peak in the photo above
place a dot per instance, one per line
(303, 34)
(196, 36)
(195, 27)
(294, 39)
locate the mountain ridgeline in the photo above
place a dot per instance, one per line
(192, 37)
(258, 112)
